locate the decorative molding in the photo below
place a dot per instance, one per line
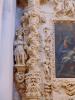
(64, 86)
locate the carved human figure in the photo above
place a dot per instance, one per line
(20, 55)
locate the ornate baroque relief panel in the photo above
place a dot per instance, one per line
(34, 52)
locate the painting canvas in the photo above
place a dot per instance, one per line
(65, 49)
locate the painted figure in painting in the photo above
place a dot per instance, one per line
(65, 54)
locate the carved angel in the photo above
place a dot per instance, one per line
(20, 55)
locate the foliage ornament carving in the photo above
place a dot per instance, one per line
(64, 7)
(66, 85)
(69, 88)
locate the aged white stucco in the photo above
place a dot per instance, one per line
(7, 32)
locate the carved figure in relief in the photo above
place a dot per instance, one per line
(20, 55)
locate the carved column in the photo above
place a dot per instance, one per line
(27, 57)
(33, 78)
(48, 31)
(32, 74)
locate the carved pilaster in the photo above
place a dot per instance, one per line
(27, 57)
(33, 91)
(48, 31)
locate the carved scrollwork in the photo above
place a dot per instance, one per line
(69, 87)
(19, 77)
